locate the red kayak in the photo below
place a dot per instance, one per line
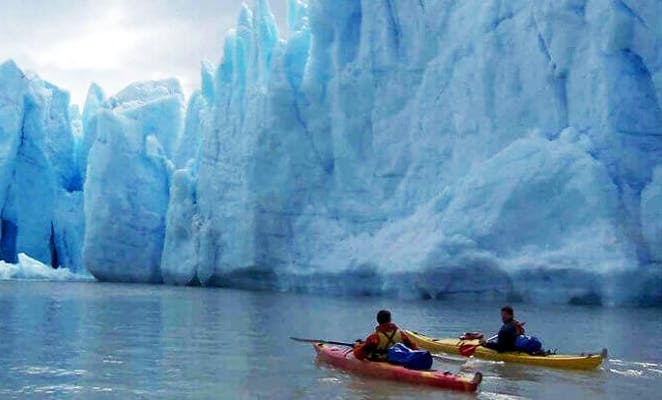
(344, 359)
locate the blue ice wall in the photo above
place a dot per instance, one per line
(40, 192)
(482, 149)
(500, 149)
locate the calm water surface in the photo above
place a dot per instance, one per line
(102, 341)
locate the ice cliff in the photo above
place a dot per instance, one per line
(40, 188)
(128, 181)
(500, 149)
(429, 148)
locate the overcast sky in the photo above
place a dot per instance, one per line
(72, 43)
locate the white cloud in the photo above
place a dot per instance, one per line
(73, 43)
(105, 44)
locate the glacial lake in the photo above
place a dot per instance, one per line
(111, 341)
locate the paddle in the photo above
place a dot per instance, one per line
(346, 344)
(322, 341)
(468, 350)
(449, 358)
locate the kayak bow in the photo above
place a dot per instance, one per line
(452, 346)
(344, 359)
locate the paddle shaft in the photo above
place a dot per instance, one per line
(448, 358)
(322, 341)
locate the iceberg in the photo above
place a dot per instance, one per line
(27, 268)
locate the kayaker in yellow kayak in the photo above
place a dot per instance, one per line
(508, 334)
(387, 334)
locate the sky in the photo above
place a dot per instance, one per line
(72, 43)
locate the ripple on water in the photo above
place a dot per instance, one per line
(498, 396)
(112, 360)
(47, 371)
(634, 369)
(51, 390)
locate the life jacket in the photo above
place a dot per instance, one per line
(387, 340)
(519, 327)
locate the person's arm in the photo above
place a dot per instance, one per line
(407, 342)
(519, 328)
(503, 340)
(362, 350)
(507, 337)
(492, 345)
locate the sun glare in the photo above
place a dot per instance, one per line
(103, 45)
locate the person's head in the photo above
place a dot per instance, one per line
(383, 317)
(507, 314)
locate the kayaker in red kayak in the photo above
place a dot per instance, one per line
(387, 334)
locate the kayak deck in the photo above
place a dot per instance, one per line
(344, 359)
(452, 346)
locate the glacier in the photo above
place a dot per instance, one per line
(40, 188)
(505, 150)
(127, 182)
(480, 149)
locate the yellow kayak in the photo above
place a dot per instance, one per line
(452, 346)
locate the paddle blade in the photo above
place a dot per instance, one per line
(468, 350)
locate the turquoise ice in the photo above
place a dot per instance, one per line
(474, 149)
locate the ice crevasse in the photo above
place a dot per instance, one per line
(419, 148)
